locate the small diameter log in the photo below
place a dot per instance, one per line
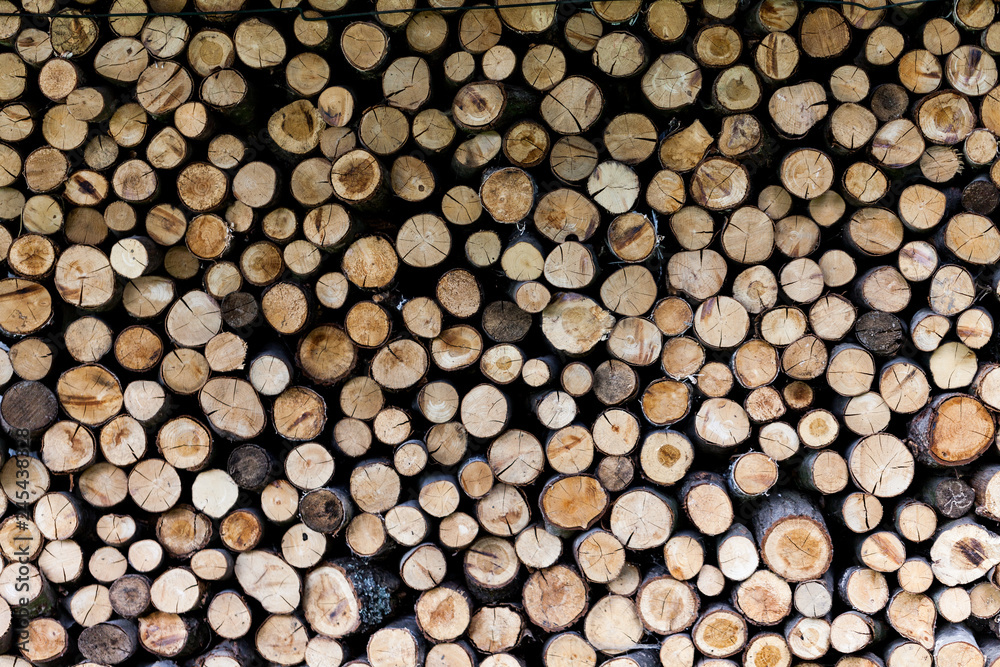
(398, 643)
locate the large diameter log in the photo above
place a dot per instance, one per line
(954, 429)
(270, 580)
(793, 538)
(345, 597)
(112, 643)
(962, 551)
(573, 502)
(574, 323)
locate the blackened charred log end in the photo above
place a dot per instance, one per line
(980, 197)
(380, 592)
(27, 409)
(880, 333)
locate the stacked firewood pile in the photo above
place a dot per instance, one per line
(406, 333)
